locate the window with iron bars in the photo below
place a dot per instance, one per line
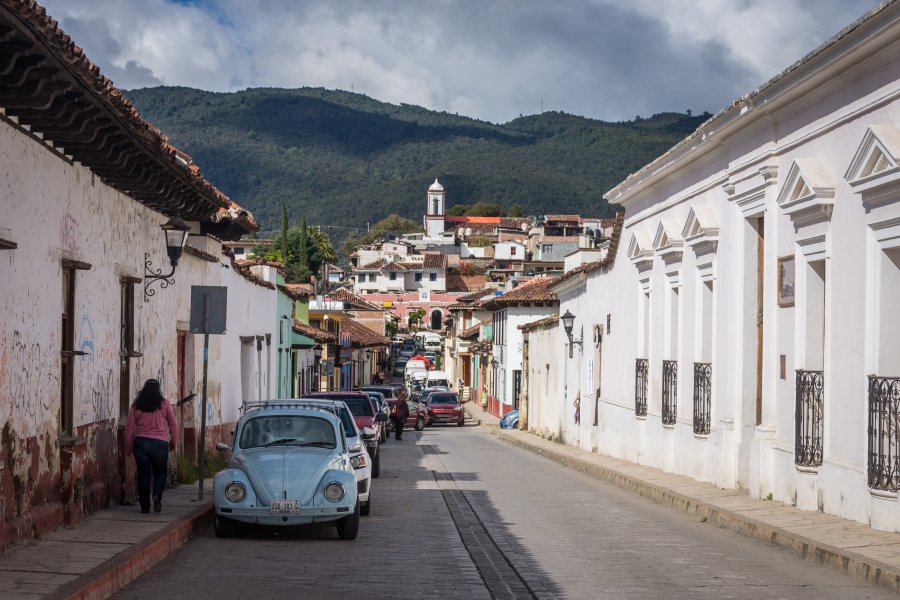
(884, 433)
(670, 392)
(640, 387)
(809, 418)
(702, 397)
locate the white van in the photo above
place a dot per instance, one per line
(433, 342)
(437, 379)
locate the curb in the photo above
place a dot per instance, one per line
(106, 579)
(852, 564)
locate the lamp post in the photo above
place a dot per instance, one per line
(176, 234)
(317, 368)
(568, 321)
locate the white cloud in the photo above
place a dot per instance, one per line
(487, 59)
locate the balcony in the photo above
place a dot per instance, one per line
(884, 433)
(808, 418)
(702, 397)
(669, 392)
(640, 387)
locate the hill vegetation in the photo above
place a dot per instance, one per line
(344, 160)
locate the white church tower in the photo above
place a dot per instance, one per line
(434, 210)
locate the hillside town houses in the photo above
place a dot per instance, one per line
(735, 322)
(739, 324)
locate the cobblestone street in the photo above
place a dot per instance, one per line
(458, 514)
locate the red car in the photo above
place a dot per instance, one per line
(445, 407)
(418, 416)
(368, 419)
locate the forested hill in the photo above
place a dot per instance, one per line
(346, 159)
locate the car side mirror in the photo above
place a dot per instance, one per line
(381, 418)
(222, 447)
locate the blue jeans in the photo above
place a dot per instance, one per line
(152, 458)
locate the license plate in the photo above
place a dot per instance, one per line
(285, 507)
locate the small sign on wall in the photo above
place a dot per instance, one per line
(786, 281)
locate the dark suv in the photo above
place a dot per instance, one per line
(368, 419)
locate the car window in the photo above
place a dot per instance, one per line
(347, 423)
(438, 398)
(287, 430)
(360, 407)
(413, 407)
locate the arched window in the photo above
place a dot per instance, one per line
(436, 319)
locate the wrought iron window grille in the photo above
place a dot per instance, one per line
(670, 392)
(884, 433)
(642, 365)
(702, 397)
(809, 418)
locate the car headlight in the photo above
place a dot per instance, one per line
(235, 491)
(334, 491)
(358, 461)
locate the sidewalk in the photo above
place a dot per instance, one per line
(847, 546)
(105, 552)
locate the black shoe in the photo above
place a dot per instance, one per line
(157, 503)
(145, 512)
(398, 438)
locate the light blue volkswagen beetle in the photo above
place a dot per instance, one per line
(289, 465)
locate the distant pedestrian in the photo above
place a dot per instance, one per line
(399, 413)
(149, 435)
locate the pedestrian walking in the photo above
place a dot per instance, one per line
(399, 413)
(149, 435)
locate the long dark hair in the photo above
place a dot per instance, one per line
(150, 397)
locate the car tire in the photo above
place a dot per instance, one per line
(376, 465)
(461, 422)
(348, 527)
(366, 507)
(224, 527)
(420, 423)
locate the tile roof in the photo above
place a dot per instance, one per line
(464, 283)
(471, 332)
(485, 220)
(514, 222)
(319, 335)
(565, 218)
(305, 289)
(434, 260)
(51, 87)
(610, 259)
(372, 266)
(535, 290)
(392, 266)
(201, 254)
(551, 320)
(476, 295)
(571, 239)
(345, 295)
(361, 336)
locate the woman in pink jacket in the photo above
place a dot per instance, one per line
(149, 434)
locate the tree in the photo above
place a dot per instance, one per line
(284, 230)
(307, 249)
(515, 210)
(414, 318)
(392, 224)
(457, 210)
(303, 245)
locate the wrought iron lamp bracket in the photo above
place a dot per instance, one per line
(152, 275)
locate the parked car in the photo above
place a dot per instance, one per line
(427, 392)
(418, 416)
(359, 456)
(290, 465)
(399, 367)
(510, 420)
(445, 407)
(432, 358)
(368, 418)
(381, 405)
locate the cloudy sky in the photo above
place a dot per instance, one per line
(489, 59)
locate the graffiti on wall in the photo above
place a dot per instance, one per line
(29, 380)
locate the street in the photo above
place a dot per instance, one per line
(457, 513)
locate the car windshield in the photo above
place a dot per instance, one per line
(360, 407)
(438, 383)
(347, 421)
(439, 398)
(384, 391)
(287, 430)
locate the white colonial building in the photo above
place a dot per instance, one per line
(743, 330)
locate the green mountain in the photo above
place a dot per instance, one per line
(345, 160)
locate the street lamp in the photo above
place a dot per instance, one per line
(568, 321)
(176, 233)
